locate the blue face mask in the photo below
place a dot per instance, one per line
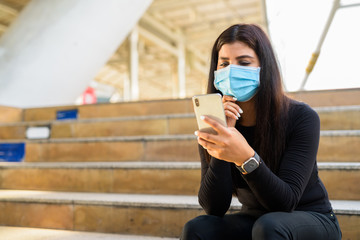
(238, 81)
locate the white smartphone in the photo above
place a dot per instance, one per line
(209, 105)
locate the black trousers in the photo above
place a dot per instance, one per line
(299, 225)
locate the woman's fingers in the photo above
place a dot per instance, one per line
(231, 115)
(227, 98)
(231, 110)
(217, 126)
(210, 146)
(233, 106)
(230, 104)
(208, 137)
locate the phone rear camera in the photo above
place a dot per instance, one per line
(197, 102)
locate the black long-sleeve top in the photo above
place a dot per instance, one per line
(296, 186)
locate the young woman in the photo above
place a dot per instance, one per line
(266, 157)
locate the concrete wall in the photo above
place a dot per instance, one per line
(55, 48)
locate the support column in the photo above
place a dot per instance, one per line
(134, 63)
(127, 89)
(181, 69)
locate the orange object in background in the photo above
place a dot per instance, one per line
(89, 96)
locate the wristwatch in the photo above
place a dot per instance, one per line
(250, 165)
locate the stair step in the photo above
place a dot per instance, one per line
(12, 233)
(107, 127)
(171, 106)
(155, 215)
(129, 126)
(126, 126)
(341, 179)
(339, 117)
(335, 146)
(335, 97)
(136, 148)
(139, 108)
(339, 145)
(118, 177)
(332, 118)
(313, 98)
(177, 178)
(10, 114)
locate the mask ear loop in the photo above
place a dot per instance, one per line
(214, 81)
(232, 93)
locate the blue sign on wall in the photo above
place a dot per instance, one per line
(67, 114)
(12, 152)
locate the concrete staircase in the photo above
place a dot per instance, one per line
(133, 169)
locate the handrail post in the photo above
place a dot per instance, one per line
(316, 53)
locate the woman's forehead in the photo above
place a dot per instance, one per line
(235, 49)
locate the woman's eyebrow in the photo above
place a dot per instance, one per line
(244, 56)
(238, 57)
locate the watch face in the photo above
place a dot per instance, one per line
(251, 165)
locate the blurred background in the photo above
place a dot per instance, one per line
(72, 160)
(65, 52)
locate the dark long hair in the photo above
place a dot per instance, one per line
(270, 101)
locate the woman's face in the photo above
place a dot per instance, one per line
(237, 53)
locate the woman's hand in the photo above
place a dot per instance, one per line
(228, 145)
(232, 110)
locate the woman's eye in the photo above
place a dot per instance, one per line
(224, 64)
(244, 63)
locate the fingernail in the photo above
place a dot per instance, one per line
(241, 111)
(238, 114)
(202, 117)
(235, 98)
(196, 133)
